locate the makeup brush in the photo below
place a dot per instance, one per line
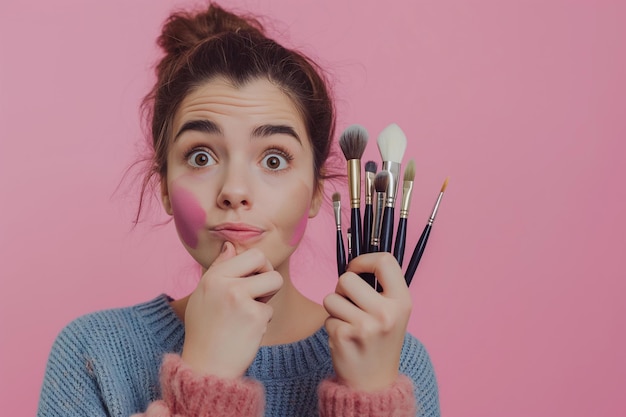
(421, 243)
(407, 188)
(341, 252)
(380, 184)
(391, 144)
(352, 142)
(370, 173)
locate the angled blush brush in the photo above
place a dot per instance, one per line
(421, 243)
(352, 142)
(391, 144)
(407, 188)
(341, 252)
(370, 174)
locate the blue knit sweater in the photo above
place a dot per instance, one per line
(107, 364)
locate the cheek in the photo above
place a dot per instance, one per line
(189, 216)
(300, 228)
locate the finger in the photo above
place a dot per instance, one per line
(386, 269)
(342, 309)
(263, 285)
(355, 289)
(247, 263)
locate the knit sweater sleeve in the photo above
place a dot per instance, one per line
(186, 393)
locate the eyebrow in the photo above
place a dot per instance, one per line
(207, 126)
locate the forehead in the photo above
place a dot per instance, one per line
(256, 102)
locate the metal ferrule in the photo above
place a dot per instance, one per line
(378, 216)
(369, 187)
(434, 213)
(394, 174)
(337, 209)
(406, 199)
(354, 179)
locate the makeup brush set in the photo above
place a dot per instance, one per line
(374, 233)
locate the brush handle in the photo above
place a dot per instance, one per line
(417, 255)
(367, 227)
(398, 249)
(355, 224)
(386, 230)
(341, 254)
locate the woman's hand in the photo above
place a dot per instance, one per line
(224, 321)
(366, 329)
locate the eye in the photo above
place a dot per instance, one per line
(200, 159)
(275, 162)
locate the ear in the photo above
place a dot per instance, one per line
(316, 200)
(165, 197)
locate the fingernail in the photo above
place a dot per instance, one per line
(224, 247)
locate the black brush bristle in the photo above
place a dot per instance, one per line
(381, 182)
(370, 166)
(353, 141)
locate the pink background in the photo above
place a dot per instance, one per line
(520, 296)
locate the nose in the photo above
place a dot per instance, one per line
(236, 188)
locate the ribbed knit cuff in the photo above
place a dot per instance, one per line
(189, 394)
(339, 400)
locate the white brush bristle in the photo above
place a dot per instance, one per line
(392, 143)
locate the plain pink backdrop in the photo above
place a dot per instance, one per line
(520, 295)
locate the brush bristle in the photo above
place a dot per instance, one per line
(392, 143)
(445, 184)
(381, 181)
(336, 197)
(409, 171)
(353, 141)
(370, 166)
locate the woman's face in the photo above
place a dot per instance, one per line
(240, 168)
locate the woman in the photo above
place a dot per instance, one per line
(241, 131)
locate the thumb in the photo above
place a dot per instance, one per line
(228, 251)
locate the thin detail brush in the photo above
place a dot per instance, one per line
(370, 174)
(391, 144)
(407, 188)
(349, 240)
(341, 252)
(353, 142)
(421, 243)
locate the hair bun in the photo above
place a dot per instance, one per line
(183, 31)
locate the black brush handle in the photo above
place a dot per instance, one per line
(398, 249)
(367, 227)
(341, 254)
(355, 224)
(386, 230)
(417, 255)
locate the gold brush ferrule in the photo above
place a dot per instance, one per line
(406, 199)
(394, 173)
(354, 179)
(337, 209)
(369, 187)
(434, 213)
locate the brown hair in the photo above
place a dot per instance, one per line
(199, 46)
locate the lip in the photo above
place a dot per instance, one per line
(236, 231)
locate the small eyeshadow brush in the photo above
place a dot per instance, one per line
(370, 174)
(421, 243)
(407, 188)
(341, 252)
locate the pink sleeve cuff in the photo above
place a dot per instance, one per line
(339, 400)
(187, 393)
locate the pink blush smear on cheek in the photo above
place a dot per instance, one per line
(189, 216)
(300, 228)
